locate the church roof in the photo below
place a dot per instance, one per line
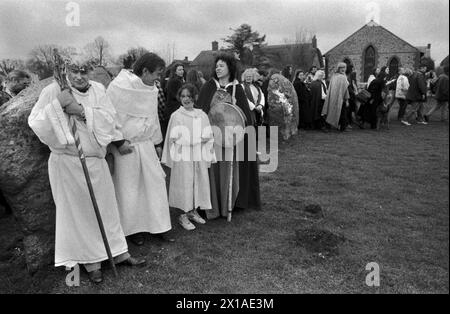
(372, 24)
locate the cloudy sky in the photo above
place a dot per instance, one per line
(190, 26)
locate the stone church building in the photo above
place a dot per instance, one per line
(373, 46)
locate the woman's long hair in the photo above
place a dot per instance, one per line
(230, 60)
(194, 78)
(286, 73)
(295, 78)
(173, 72)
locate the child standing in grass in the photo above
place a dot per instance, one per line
(188, 152)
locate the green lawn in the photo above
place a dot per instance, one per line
(385, 194)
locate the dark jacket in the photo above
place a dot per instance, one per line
(442, 88)
(173, 85)
(417, 88)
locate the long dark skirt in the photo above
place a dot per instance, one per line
(368, 113)
(249, 196)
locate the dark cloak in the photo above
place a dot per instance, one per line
(306, 112)
(368, 111)
(249, 193)
(316, 99)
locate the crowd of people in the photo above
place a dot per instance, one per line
(341, 104)
(127, 132)
(130, 129)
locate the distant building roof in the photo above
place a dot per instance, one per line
(304, 55)
(204, 57)
(373, 24)
(444, 62)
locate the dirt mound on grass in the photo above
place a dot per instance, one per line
(318, 240)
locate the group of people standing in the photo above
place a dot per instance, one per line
(124, 143)
(339, 103)
(133, 127)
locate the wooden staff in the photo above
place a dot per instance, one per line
(230, 187)
(60, 76)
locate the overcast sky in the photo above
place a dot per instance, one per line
(191, 25)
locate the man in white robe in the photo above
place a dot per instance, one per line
(78, 238)
(138, 177)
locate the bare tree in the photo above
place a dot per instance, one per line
(8, 65)
(298, 50)
(168, 54)
(41, 59)
(98, 51)
(303, 35)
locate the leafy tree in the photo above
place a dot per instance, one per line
(430, 63)
(131, 56)
(244, 40)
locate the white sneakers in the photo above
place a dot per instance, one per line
(195, 217)
(184, 220)
(405, 123)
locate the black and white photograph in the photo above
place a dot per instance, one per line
(224, 153)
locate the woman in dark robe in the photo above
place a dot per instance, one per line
(245, 185)
(318, 93)
(287, 72)
(352, 90)
(376, 89)
(306, 113)
(173, 85)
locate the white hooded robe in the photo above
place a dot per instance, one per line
(78, 239)
(138, 177)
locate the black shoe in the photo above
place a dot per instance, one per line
(134, 261)
(137, 239)
(96, 276)
(165, 237)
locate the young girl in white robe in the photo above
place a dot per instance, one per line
(188, 151)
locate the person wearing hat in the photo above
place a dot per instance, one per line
(78, 239)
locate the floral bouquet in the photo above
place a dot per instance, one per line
(283, 105)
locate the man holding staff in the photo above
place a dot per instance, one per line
(78, 238)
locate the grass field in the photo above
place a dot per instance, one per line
(384, 197)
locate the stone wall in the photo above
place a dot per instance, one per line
(386, 44)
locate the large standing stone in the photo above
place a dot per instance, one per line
(24, 177)
(283, 106)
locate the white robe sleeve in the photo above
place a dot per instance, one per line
(102, 120)
(208, 146)
(169, 142)
(48, 120)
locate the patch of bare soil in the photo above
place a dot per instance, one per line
(317, 240)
